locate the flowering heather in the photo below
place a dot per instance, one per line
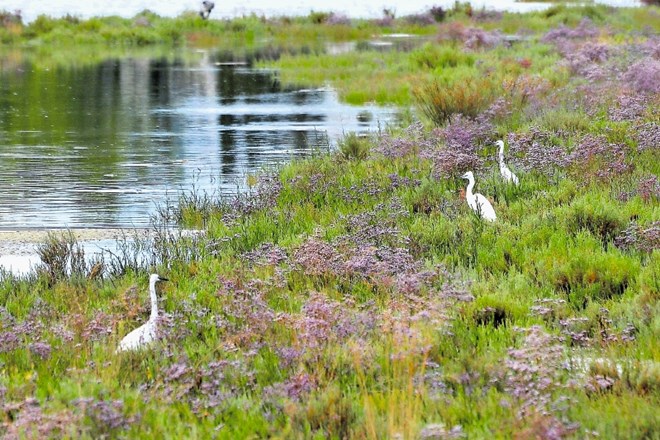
(464, 133)
(323, 320)
(475, 38)
(643, 239)
(247, 315)
(423, 19)
(413, 139)
(499, 109)
(370, 261)
(397, 181)
(546, 307)
(41, 349)
(266, 254)
(462, 136)
(628, 107)
(293, 388)
(533, 377)
(375, 227)
(263, 196)
(613, 157)
(576, 330)
(649, 189)
(647, 136)
(317, 257)
(472, 38)
(367, 189)
(644, 76)
(585, 29)
(534, 151)
(395, 147)
(28, 420)
(99, 327)
(105, 414)
(587, 60)
(338, 19)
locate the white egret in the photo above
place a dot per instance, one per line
(477, 202)
(506, 173)
(207, 7)
(145, 334)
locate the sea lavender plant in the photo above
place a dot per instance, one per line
(27, 419)
(644, 76)
(628, 107)
(106, 415)
(647, 137)
(534, 376)
(643, 239)
(585, 29)
(268, 254)
(475, 38)
(534, 151)
(613, 157)
(317, 257)
(41, 349)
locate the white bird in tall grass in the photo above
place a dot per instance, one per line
(477, 202)
(145, 334)
(506, 173)
(205, 11)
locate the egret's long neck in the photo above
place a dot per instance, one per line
(468, 191)
(154, 301)
(501, 154)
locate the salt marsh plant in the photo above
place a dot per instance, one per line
(356, 295)
(469, 97)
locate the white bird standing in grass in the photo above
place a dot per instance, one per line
(207, 7)
(506, 173)
(477, 202)
(145, 334)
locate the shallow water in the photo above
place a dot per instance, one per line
(103, 145)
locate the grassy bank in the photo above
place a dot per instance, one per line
(355, 294)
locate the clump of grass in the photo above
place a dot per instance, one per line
(353, 147)
(62, 257)
(439, 102)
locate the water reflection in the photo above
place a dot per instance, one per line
(100, 146)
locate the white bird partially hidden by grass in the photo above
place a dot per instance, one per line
(506, 173)
(477, 202)
(145, 334)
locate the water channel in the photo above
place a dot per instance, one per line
(104, 144)
(100, 146)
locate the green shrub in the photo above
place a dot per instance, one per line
(439, 102)
(353, 147)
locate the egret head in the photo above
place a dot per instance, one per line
(468, 176)
(500, 144)
(154, 278)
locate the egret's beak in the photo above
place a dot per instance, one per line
(163, 279)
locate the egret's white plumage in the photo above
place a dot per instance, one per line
(477, 202)
(145, 334)
(506, 173)
(207, 7)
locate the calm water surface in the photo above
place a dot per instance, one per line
(101, 146)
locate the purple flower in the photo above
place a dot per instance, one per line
(584, 29)
(41, 349)
(644, 76)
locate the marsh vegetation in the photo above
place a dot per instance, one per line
(354, 294)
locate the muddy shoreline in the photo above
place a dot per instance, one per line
(23, 242)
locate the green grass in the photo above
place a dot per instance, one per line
(359, 296)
